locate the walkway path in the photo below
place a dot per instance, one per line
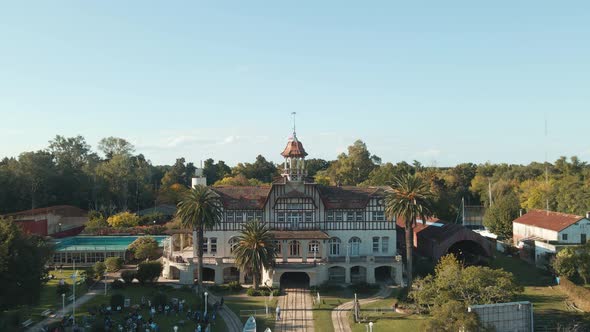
(97, 289)
(340, 313)
(232, 321)
(296, 311)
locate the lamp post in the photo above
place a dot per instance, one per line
(206, 303)
(370, 326)
(74, 277)
(63, 303)
(105, 283)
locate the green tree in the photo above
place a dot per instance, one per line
(69, 152)
(148, 272)
(354, 167)
(113, 264)
(215, 171)
(145, 247)
(112, 146)
(123, 219)
(261, 170)
(199, 210)
(99, 268)
(238, 180)
(314, 165)
(408, 199)
(565, 262)
(498, 217)
(255, 250)
(468, 285)
(22, 261)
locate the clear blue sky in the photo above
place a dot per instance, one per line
(442, 82)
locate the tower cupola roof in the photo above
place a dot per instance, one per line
(294, 148)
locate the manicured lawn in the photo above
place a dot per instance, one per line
(548, 303)
(166, 323)
(240, 301)
(49, 299)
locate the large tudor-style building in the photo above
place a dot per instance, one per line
(324, 233)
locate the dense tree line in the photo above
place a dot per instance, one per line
(115, 179)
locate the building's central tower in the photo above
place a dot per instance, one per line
(294, 154)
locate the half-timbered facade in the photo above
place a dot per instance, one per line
(328, 233)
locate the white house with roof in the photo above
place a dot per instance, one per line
(547, 232)
(323, 233)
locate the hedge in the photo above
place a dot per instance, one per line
(579, 294)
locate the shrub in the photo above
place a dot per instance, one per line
(118, 284)
(276, 292)
(88, 276)
(579, 294)
(99, 269)
(159, 298)
(62, 289)
(117, 300)
(113, 264)
(123, 219)
(128, 276)
(253, 292)
(148, 272)
(145, 247)
(234, 286)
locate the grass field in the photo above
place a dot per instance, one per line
(240, 301)
(49, 299)
(166, 323)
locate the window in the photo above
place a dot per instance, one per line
(230, 216)
(294, 219)
(279, 247)
(350, 216)
(330, 216)
(355, 246)
(240, 216)
(564, 237)
(313, 247)
(376, 244)
(379, 216)
(339, 216)
(233, 244)
(359, 216)
(385, 244)
(281, 217)
(308, 217)
(205, 245)
(259, 215)
(294, 248)
(213, 245)
(250, 216)
(334, 246)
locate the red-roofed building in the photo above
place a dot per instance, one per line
(56, 221)
(543, 233)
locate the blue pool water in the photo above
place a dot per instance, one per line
(107, 243)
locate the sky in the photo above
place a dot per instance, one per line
(441, 82)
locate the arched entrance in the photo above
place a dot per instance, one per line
(231, 274)
(174, 272)
(336, 274)
(208, 274)
(294, 280)
(469, 252)
(358, 274)
(383, 273)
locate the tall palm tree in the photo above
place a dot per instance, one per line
(200, 209)
(255, 249)
(409, 198)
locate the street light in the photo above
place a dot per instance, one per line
(74, 277)
(206, 303)
(370, 326)
(105, 282)
(63, 303)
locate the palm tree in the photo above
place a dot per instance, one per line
(199, 210)
(408, 199)
(255, 249)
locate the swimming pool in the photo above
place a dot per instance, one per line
(101, 243)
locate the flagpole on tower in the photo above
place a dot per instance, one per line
(293, 114)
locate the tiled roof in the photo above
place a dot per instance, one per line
(294, 148)
(62, 210)
(288, 235)
(348, 197)
(419, 226)
(240, 197)
(554, 221)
